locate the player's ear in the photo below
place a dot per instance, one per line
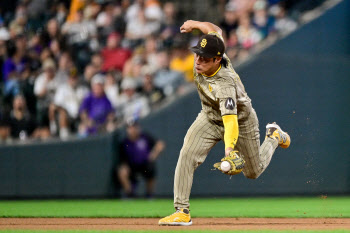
(217, 59)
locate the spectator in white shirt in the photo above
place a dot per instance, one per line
(131, 104)
(44, 88)
(67, 101)
(111, 88)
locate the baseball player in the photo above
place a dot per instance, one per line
(227, 114)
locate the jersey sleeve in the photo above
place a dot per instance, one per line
(227, 100)
(216, 34)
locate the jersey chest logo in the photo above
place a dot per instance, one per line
(229, 104)
(210, 88)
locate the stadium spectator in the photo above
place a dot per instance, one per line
(141, 26)
(26, 86)
(118, 39)
(264, 23)
(65, 107)
(133, 9)
(243, 6)
(169, 15)
(131, 104)
(44, 88)
(19, 24)
(55, 49)
(89, 71)
(283, 24)
(182, 59)
(230, 21)
(65, 64)
(4, 33)
(154, 94)
(138, 154)
(153, 12)
(114, 56)
(62, 13)
(105, 18)
(22, 124)
(35, 44)
(82, 36)
(170, 25)
(247, 35)
(232, 46)
(133, 66)
(14, 65)
(165, 78)
(97, 62)
(151, 53)
(112, 87)
(51, 32)
(96, 111)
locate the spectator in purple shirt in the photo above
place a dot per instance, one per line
(138, 153)
(14, 66)
(16, 62)
(96, 111)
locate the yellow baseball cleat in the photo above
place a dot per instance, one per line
(274, 131)
(181, 217)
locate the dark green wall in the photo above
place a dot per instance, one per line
(302, 82)
(70, 169)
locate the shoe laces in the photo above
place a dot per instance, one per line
(178, 211)
(283, 136)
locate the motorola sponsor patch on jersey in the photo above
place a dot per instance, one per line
(229, 103)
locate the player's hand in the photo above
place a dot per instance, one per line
(235, 161)
(228, 151)
(188, 26)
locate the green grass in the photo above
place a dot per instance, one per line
(298, 207)
(182, 231)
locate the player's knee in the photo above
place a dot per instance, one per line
(186, 153)
(186, 159)
(252, 175)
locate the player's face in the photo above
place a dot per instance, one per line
(204, 65)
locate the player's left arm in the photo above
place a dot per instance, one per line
(236, 163)
(228, 108)
(231, 132)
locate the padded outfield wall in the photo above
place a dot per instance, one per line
(302, 82)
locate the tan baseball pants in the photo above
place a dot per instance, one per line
(202, 136)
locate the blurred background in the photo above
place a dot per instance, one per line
(92, 91)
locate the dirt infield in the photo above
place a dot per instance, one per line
(152, 224)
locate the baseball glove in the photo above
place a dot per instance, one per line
(236, 162)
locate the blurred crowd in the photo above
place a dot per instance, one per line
(248, 22)
(81, 67)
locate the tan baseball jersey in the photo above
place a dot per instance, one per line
(223, 93)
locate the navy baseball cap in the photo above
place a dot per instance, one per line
(209, 46)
